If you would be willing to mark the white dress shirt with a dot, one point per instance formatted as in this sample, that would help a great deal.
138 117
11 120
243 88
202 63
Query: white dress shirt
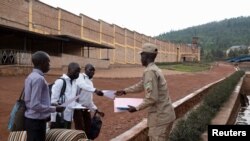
86 90
70 92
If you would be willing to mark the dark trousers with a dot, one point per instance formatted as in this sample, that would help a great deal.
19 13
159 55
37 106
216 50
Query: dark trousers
67 124
60 122
64 125
82 121
36 129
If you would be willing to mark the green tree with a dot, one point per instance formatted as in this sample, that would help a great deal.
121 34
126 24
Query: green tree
218 36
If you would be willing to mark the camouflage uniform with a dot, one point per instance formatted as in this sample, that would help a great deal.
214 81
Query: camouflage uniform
161 112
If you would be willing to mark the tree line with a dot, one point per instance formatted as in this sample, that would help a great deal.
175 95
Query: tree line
214 38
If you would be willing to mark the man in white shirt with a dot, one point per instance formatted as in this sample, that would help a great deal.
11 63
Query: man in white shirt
82 118
70 92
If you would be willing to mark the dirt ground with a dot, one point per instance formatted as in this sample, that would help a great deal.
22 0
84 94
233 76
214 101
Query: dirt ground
179 84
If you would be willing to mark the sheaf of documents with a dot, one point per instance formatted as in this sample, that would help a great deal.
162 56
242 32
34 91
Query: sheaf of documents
121 104
78 106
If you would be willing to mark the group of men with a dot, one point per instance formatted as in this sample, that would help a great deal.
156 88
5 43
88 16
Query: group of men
42 108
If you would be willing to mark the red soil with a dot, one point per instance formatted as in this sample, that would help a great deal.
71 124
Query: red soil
114 124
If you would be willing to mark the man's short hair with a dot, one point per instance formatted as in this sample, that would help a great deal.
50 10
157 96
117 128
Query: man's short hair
87 66
39 57
73 65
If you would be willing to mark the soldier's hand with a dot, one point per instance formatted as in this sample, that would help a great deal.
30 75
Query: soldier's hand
131 109
60 109
98 92
120 92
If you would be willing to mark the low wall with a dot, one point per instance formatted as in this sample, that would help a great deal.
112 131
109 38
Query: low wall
58 65
229 110
182 106
244 66
65 59
10 70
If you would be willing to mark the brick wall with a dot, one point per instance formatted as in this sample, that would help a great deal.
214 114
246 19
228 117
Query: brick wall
129 38
120 54
90 29
44 18
107 33
14 13
38 17
70 24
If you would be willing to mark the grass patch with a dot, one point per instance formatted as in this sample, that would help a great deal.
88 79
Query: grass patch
191 127
185 67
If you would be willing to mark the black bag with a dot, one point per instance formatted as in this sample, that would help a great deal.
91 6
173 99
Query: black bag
60 122
96 125
16 120
62 90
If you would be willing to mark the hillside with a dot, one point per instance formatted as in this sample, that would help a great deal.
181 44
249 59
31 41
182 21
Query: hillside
215 35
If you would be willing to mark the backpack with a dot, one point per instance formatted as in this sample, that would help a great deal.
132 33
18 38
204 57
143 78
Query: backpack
60 123
62 90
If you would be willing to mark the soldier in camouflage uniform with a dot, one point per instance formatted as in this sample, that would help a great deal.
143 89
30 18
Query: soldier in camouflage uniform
161 113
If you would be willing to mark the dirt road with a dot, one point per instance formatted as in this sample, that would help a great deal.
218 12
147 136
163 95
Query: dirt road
179 84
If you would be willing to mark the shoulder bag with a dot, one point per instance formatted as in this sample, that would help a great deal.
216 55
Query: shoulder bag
16 120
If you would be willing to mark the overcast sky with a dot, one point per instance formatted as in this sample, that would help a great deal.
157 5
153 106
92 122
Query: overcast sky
153 17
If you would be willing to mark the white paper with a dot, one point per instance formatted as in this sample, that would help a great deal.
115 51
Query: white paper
121 104
70 101
78 106
109 93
